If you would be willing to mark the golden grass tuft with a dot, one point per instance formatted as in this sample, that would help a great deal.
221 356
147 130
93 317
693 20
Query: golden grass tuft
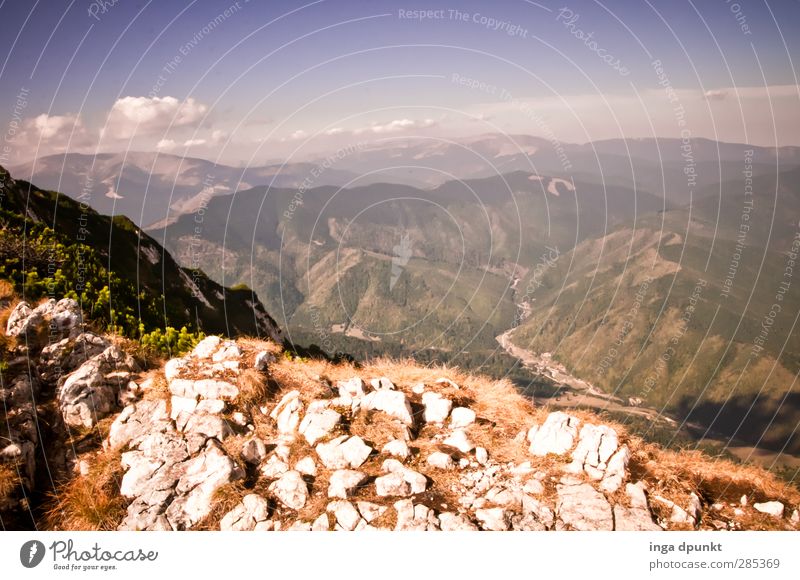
92 501
9 481
226 498
253 388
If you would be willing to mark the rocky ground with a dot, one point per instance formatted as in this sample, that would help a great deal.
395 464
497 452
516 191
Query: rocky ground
238 436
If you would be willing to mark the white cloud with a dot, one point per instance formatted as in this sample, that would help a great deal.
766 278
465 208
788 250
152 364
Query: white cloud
131 116
166 145
194 142
715 95
396 126
55 126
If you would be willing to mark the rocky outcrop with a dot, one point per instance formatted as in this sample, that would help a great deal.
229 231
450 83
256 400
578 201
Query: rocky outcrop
348 455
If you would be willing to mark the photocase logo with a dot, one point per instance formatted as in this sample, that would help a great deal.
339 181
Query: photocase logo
402 254
31 553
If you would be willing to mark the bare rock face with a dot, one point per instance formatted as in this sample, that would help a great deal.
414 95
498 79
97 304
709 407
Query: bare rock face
68 354
637 517
394 403
600 456
290 489
582 507
411 517
251 514
62 317
287 413
91 392
556 435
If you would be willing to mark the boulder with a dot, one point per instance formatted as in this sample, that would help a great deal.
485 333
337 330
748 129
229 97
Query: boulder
462 417
493 519
556 435
206 347
370 511
437 408
393 403
596 445
252 511
440 460
274 467
321 524
90 393
138 421
382 383
227 351
397 448
287 413
393 484
458 439
353 388
582 507
615 472
412 517
417 483
637 517
452 522
343 452
347 516
306 466
343 482
773 508
204 389
318 425
254 451
202 476
291 490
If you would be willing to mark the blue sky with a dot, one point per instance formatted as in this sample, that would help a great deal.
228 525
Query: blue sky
256 80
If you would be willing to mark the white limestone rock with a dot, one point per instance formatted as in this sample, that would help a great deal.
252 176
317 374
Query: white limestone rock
462 417
287 413
318 425
344 481
440 460
773 508
397 448
291 490
252 511
393 403
582 507
493 519
344 452
437 408
452 522
459 440
556 435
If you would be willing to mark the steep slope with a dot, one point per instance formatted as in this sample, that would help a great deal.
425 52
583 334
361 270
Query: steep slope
692 311
152 187
234 436
410 268
52 245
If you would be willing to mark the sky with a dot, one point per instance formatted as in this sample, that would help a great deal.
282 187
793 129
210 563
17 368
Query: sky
246 82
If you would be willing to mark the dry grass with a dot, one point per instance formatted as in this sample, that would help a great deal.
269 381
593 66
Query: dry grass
253 389
90 502
159 389
6 291
9 481
225 499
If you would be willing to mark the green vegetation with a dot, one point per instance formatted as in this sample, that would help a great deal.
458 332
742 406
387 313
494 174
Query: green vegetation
51 246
